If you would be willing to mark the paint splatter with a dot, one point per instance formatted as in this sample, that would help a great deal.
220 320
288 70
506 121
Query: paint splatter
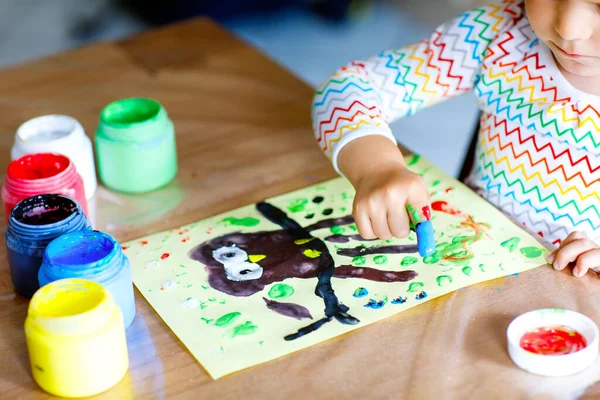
360 292
353 227
168 284
311 253
409 260
281 291
318 199
181 274
288 309
297 205
190 302
482 267
165 256
531 252
359 260
144 242
467 270
125 248
376 304
443 280
309 216
337 230
208 321
399 300
185 239
254 258
421 296
227 319
415 286
246 328
327 212
414 160
511 244
380 260
300 242
241 221
152 264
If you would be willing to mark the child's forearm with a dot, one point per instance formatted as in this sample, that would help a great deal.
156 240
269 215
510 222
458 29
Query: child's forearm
368 154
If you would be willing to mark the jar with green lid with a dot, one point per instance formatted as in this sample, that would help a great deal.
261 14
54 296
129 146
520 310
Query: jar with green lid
135 146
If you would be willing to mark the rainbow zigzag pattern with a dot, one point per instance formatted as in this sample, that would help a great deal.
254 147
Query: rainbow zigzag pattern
539 144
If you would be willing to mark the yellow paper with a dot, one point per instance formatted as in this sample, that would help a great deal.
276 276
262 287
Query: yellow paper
230 325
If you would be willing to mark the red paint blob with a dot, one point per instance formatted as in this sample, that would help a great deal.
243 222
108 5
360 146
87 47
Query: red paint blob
449 190
426 212
125 248
553 340
165 256
144 242
444 207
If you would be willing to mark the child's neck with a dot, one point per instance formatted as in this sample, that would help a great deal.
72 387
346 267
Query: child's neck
587 84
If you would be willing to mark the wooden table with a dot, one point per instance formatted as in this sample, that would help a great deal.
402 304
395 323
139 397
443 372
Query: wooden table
244 134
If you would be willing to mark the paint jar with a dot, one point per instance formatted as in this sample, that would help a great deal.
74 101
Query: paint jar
58 134
41 173
33 224
95 256
135 146
75 338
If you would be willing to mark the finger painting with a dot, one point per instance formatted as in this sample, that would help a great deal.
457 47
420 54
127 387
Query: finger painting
269 279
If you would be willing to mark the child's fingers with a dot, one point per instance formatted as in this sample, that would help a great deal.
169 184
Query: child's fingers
363 224
586 261
570 252
379 222
398 221
571 238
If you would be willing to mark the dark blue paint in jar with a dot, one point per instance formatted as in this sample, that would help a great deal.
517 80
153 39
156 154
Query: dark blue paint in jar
95 256
33 223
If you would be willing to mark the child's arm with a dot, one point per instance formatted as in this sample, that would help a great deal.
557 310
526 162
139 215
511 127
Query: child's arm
578 249
352 110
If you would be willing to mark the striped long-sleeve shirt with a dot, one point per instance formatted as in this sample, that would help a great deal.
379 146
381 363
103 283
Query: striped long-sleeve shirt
537 157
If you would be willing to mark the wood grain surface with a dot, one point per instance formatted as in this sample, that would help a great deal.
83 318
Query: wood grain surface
244 134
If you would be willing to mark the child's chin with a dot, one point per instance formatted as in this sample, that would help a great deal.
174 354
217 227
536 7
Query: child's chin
579 69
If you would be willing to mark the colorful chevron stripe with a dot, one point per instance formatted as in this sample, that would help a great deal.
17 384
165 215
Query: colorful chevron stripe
538 154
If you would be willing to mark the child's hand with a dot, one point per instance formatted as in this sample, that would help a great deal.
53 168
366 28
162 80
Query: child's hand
382 199
579 249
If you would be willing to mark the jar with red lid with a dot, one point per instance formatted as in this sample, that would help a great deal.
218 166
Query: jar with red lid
41 173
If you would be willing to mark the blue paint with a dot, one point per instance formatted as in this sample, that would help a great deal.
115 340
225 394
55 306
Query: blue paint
375 305
421 296
360 292
399 300
33 223
425 238
91 255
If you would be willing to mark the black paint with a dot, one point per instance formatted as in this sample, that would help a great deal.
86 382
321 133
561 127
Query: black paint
364 251
327 211
44 210
318 199
309 216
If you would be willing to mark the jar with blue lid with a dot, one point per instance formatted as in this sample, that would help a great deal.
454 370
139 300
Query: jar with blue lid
95 256
33 223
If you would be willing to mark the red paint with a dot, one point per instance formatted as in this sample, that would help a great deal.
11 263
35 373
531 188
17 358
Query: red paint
165 256
426 212
553 340
185 239
41 173
125 248
449 190
144 242
184 231
444 207
541 234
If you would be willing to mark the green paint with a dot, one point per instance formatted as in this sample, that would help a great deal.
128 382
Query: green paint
227 319
182 274
380 260
482 267
422 174
500 265
203 305
443 280
222 301
343 209
467 270
415 286
359 260
297 205
261 342
149 290
281 291
511 244
531 252
354 228
435 183
212 299
182 266
208 321
203 287
246 328
415 159
188 286
248 221
337 230
409 260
